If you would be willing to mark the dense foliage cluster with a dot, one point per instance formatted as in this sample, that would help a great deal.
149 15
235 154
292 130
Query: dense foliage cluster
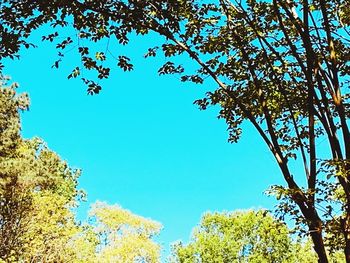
36 190
242 237
282 65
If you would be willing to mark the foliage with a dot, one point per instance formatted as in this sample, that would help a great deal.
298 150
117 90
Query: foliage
282 65
123 236
9 117
38 192
246 236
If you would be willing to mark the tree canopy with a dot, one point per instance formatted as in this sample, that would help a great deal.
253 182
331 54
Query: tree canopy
38 195
37 190
123 236
244 236
282 65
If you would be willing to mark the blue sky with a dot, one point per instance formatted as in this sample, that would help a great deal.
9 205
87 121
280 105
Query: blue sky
142 143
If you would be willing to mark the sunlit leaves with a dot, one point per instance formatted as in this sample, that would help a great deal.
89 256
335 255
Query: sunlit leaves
128 236
100 56
75 73
280 65
244 236
38 191
171 50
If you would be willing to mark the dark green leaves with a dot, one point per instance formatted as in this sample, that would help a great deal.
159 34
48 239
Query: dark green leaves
75 73
170 68
123 63
171 50
50 37
64 43
93 87
151 52
283 66
193 78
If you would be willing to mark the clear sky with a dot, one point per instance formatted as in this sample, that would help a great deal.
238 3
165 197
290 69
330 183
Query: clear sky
141 143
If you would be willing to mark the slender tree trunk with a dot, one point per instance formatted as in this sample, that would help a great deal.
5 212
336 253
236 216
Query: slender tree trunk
345 223
317 239
347 249
346 232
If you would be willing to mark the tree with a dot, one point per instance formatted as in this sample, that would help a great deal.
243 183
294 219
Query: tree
243 236
38 192
124 236
281 65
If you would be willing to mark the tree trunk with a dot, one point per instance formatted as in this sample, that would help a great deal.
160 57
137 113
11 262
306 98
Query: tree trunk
317 239
347 251
346 233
